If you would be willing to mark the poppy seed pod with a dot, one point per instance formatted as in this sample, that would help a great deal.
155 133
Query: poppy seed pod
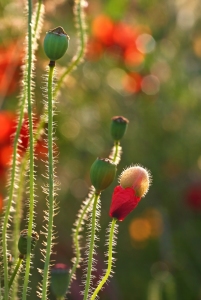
102 173
59 280
118 127
137 178
22 243
56 43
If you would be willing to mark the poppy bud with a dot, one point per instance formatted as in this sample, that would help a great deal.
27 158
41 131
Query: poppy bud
134 184
123 202
56 43
136 177
22 243
118 127
59 280
102 173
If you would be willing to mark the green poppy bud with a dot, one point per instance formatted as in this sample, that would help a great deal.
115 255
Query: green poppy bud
102 173
59 280
22 243
118 127
56 43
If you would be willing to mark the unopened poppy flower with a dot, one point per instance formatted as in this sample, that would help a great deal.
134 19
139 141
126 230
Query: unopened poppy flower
134 184
59 280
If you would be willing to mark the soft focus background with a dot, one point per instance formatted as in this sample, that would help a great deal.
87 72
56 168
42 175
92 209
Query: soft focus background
143 62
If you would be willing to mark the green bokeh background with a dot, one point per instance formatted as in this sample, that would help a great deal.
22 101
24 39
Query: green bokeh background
163 135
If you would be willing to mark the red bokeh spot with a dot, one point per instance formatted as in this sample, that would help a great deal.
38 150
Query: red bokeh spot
10 63
102 29
7 126
133 57
124 35
5 155
132 82
193 197
1 204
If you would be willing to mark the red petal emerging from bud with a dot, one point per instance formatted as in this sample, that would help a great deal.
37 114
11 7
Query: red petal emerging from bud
123 202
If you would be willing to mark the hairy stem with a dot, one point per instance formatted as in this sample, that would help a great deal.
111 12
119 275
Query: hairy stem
51 190
109 263
91 248
31 158
76 235
16 269
115 157
80 22
115 154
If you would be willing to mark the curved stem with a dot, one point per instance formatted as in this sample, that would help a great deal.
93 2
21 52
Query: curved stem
81 30
75 237
115 157
10 198
109 263
14 274
91 247
51 183
17 266
31 159
115 154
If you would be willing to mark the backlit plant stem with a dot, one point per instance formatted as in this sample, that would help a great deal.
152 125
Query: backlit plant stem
51 182
91 246
109 263
31 158
76 236
15 271
115 157
80 23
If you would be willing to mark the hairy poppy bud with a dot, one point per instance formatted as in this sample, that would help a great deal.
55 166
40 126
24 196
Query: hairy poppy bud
102 173
136 177
22 243
56 43
134 184
59 280
118 127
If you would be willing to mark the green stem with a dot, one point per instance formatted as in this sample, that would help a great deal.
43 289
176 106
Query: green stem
78 57
51 183
31 158
17 266
115 154
91 247
10 198
17 219
76 235
109 263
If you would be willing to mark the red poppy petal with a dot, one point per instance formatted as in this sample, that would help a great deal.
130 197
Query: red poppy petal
123 202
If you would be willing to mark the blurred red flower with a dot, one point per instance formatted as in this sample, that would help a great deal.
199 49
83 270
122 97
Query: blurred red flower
8 121
117 38
193 197
1 203
132 82
10 63
123 202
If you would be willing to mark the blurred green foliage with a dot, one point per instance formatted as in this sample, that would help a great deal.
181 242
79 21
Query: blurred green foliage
163 135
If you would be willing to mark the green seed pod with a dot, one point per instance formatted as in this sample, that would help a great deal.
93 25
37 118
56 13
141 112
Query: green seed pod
22 243
56 43
102 173
59 280
118 127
